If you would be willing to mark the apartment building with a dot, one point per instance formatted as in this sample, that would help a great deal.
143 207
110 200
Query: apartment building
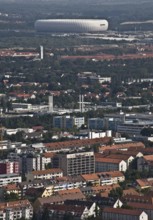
96 123
9 167
147 208
109 164
44 174
77 163
6 179
104 178
16 210
36 162
67 121
126 214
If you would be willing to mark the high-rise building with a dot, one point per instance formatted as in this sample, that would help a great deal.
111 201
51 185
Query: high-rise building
41 52
50 103
77 163
67 121
96 123
9 167
35 163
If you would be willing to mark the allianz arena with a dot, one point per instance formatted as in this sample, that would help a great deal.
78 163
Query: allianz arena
71 25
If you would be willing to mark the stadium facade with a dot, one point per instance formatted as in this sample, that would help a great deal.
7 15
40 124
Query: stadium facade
71 25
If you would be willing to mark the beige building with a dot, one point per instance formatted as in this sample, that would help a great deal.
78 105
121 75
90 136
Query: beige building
77 163
48 191
104 178
44 174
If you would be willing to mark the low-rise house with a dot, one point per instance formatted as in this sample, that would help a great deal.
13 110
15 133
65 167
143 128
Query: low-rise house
104 178
91 179
33 193
11 188
130 191
144 183
120 214
24 186
76 212
59 198
68 182
16 210
111 177
44 174
94 190
48 191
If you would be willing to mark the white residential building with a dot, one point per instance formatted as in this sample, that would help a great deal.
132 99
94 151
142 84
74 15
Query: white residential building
35 163
5 179
44 174
16 210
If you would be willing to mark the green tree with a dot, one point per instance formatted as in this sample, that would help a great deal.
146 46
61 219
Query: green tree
116 193
11 196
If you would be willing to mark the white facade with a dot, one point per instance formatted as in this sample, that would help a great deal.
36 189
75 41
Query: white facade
35 163
93 134
109 180
6 179
16 210
78 122
71 25
44 174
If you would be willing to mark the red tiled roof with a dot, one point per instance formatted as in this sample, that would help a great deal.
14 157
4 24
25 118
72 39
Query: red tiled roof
108 160
66 208
76 143
11 187
14 204
49 155
123 146
123 211
92 176
111 173
140 205
49 171
148 157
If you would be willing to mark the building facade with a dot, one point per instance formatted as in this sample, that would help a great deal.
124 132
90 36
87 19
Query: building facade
77 163
123 214
108 164
67 122
9 167
16 210
6 179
